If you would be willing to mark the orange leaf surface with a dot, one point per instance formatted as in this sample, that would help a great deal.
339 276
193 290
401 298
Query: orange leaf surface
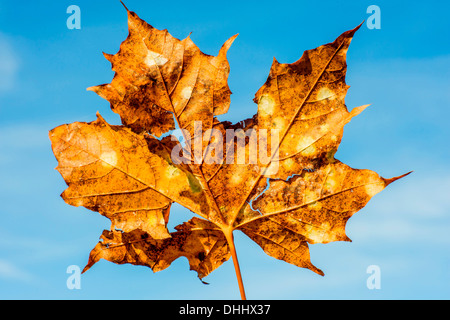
285 197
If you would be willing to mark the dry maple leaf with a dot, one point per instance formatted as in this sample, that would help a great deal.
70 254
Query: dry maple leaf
294 195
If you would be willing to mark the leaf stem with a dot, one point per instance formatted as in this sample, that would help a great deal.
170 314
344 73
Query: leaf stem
230 239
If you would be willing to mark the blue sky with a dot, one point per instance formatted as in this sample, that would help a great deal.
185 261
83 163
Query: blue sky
403 70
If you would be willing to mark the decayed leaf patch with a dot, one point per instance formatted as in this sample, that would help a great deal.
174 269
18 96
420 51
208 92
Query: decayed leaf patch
301 196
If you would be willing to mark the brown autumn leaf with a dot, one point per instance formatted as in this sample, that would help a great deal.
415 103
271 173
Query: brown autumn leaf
199 240
275 178
158 76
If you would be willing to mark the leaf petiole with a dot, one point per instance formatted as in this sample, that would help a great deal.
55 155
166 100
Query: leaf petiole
230 239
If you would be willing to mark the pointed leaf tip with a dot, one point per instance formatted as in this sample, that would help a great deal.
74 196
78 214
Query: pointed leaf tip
351 33
359 26
229 42
275 62
226 46
124 5
389 181
358 110
319 272
108 56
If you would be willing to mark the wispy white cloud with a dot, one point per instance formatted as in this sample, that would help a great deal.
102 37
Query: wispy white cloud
9 65
9 271
25 135
413 211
